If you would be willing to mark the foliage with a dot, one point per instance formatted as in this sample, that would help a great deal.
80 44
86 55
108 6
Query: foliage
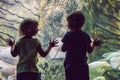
52 69
112 74
103 21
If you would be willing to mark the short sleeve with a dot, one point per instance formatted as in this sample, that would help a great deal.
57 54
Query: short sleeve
18 42
37 42
65 38
89 39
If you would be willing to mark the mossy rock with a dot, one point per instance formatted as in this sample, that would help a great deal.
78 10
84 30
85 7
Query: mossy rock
97 68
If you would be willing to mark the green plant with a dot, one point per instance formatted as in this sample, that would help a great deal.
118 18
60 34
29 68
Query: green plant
112 74
52 70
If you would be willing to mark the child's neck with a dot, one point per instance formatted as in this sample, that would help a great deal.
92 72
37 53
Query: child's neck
27 37
75 30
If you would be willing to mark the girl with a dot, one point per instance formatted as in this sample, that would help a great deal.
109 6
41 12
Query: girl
27 48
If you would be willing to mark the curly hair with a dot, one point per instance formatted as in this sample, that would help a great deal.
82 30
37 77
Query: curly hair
75 20
26 26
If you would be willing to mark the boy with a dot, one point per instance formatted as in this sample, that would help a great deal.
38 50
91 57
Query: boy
77 43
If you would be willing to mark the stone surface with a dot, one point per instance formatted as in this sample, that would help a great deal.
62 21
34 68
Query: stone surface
6 56
115 62
97 68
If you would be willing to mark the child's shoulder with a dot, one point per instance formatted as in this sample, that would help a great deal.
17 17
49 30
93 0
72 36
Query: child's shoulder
36 40
26 39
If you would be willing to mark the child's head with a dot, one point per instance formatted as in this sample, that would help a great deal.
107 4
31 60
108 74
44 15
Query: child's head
75 20
28 27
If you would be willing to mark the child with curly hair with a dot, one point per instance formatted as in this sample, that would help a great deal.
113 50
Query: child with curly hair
27 49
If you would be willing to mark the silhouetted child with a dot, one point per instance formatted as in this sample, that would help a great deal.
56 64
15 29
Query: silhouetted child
77 43
27 49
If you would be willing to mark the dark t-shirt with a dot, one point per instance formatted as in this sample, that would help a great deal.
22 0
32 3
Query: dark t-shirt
77 45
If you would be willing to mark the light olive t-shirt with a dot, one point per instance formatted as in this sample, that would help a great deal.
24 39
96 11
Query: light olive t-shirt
27 53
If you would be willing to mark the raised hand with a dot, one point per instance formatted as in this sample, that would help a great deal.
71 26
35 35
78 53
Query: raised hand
53 42
10 42
97 42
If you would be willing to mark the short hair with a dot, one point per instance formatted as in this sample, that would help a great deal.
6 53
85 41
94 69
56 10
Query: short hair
76 20
25 24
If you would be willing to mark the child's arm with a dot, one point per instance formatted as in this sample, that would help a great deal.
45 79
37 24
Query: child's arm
45 53
64 48
13 47
95 43
90 48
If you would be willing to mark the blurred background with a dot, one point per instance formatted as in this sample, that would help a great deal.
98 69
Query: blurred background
102 22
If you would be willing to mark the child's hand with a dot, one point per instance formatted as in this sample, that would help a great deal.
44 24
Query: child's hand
53 42
97 42
10 42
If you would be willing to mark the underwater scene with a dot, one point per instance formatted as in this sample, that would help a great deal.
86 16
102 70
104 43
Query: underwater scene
102 21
